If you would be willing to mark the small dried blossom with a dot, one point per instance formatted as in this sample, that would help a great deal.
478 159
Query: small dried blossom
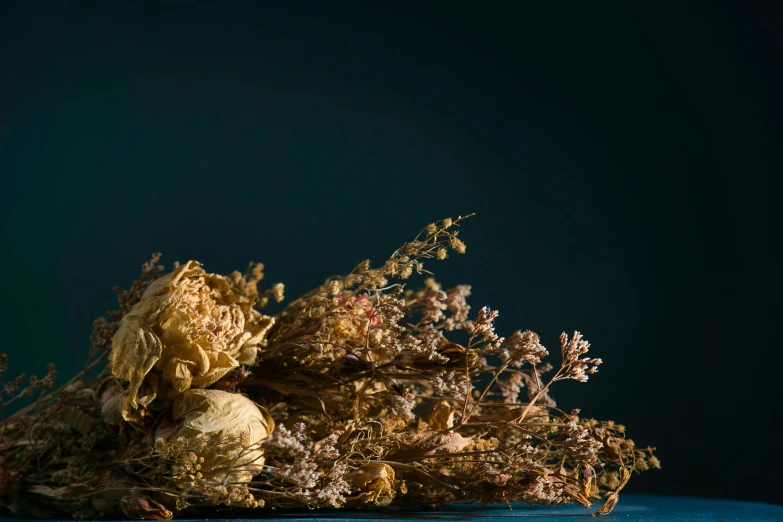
522 347
335 487
449 383
574 367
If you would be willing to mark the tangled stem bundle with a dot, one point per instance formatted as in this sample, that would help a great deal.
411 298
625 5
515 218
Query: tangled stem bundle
360 393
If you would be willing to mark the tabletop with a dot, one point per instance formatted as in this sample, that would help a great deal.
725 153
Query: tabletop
631 508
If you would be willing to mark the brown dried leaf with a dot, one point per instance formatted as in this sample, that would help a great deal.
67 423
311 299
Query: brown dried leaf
77 419
142 507
429 443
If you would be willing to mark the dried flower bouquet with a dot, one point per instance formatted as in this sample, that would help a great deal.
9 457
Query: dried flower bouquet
356 394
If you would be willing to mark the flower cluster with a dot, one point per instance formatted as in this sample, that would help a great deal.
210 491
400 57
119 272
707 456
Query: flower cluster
574 367
362 392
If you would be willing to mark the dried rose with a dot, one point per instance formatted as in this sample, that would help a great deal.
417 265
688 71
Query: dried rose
189 330
356 316
142 507
222 432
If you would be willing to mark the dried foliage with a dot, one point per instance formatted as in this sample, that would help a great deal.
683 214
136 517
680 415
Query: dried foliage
357 394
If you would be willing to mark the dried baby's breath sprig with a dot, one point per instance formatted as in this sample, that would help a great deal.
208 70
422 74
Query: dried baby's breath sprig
22 387
127 299
360 393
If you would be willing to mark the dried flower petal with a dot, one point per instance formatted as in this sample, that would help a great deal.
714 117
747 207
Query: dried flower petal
442 416
610 501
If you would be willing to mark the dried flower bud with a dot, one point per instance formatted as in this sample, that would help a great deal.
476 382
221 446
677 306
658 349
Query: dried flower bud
363 267
278 292
586 477
189 329
232 427
457 245
431 284
334 287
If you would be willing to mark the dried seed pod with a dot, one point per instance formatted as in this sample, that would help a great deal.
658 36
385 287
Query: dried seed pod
222 428
189 329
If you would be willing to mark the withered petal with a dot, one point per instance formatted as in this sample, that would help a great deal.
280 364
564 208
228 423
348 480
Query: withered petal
135 350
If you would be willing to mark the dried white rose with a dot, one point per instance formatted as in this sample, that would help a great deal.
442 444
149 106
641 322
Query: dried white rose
189 329
222 431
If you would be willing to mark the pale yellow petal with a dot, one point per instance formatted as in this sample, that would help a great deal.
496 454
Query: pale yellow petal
177 371
135 349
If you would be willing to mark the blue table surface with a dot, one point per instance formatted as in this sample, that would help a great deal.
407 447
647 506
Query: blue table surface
631 508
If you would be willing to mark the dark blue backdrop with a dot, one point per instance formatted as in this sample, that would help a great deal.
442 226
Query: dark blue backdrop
618 158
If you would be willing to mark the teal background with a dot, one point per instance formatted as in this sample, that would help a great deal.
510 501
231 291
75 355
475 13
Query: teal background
619 157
